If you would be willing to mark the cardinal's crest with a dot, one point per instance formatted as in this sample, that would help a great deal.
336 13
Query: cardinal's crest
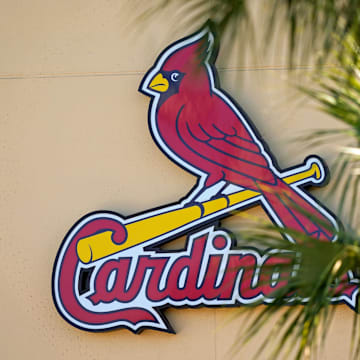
110 271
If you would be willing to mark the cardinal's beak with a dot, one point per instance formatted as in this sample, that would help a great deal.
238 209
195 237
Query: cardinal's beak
159 83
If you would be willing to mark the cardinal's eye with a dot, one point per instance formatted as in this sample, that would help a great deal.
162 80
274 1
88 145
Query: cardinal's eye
175 76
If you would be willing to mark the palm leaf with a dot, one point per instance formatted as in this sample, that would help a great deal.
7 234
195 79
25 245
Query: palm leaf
303 325
311 24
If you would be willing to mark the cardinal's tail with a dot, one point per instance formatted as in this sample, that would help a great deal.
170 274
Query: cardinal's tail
291 210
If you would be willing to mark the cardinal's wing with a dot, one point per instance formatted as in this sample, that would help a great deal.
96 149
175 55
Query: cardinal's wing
220 137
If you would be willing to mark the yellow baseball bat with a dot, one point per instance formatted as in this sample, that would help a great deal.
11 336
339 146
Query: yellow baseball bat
100 245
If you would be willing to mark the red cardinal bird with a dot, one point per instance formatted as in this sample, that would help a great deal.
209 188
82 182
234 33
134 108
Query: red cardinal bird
200 128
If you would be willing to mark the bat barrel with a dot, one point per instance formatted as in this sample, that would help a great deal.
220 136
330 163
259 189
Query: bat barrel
102 244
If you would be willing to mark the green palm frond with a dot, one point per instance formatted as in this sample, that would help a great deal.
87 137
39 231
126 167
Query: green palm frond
311 24
338 95
321 274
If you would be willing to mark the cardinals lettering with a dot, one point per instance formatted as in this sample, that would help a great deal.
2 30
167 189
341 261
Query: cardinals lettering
110 271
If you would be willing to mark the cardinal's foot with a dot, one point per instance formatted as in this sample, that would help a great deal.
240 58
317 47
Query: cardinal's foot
206 193
211 192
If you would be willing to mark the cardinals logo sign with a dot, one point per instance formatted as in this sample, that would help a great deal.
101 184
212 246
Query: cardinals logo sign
110 271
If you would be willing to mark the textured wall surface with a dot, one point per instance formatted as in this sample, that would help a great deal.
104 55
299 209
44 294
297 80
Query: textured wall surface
74 138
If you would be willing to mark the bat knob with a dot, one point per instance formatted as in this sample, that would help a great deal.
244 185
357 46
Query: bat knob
317 172
317 169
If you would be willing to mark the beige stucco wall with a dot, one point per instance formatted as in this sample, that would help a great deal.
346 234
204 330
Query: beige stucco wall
74 139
